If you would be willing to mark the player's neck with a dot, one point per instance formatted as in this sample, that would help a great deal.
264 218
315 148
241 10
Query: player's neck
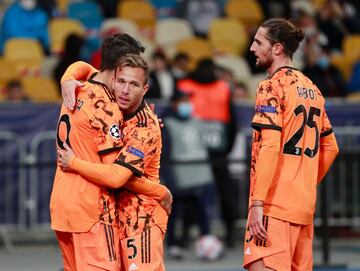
278 63
104 77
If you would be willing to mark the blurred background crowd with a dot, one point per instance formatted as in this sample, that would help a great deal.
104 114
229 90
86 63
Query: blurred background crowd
201 70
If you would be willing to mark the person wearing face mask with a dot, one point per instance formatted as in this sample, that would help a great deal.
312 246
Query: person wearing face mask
24 19
190 182
326 76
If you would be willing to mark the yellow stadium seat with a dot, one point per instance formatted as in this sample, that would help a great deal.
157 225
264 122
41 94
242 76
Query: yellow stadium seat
339 61
59 29
196 48
25 54
41 89
237 65
7 71
19 48
249 12
169 31
141 12
228 36
351 48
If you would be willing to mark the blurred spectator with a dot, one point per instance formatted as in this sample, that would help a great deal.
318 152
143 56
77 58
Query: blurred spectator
327 77
71 53
199 13
275 8
50 7
211 99
14 92
180 65
161 80
108 7
240 91
190 183
24 19
337 19
354 81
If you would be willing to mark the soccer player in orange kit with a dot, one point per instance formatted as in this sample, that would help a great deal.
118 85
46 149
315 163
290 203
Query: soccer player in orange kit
293 148
85 215
142 220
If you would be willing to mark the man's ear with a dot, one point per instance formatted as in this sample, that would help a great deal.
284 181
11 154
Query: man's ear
146 88
278 48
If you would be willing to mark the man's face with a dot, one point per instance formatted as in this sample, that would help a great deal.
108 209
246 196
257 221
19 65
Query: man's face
129 88
262 49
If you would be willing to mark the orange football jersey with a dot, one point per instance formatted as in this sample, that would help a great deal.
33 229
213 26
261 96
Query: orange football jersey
91 130
141 154
289 102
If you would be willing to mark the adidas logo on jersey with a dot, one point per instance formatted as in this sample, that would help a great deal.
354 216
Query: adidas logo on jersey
133 266
248 251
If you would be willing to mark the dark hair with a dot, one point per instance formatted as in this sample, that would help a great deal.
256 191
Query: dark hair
205 72
116 46
134 61
280 30
15 83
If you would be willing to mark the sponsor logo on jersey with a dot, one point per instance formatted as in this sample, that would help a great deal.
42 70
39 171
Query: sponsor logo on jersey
135 152
248 251
265 109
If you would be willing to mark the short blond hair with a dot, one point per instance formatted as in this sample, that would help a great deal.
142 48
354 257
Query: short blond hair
134 61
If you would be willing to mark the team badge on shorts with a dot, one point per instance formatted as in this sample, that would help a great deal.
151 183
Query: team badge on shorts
115 131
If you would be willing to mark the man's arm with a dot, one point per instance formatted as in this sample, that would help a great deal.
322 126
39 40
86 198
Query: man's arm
110 175
328 152
265 171
70 81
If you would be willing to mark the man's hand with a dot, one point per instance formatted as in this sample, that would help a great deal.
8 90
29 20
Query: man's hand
68 92
65 157
166 203
255 223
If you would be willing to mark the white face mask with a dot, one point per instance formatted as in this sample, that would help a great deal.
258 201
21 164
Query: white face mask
27 4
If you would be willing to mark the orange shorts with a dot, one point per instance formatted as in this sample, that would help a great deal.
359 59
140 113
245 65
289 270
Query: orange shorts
143 251
288 246
97 249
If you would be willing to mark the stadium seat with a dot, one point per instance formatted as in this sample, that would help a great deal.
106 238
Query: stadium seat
351 48
59 29
196 48
121 25
26 55
88 13
237 65
249 12
141 12
228 36
168 32
41 89
7 72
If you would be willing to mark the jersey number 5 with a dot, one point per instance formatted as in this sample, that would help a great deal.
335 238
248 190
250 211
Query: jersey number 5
290 145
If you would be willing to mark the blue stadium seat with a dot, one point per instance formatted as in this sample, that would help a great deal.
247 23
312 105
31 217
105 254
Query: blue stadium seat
88 13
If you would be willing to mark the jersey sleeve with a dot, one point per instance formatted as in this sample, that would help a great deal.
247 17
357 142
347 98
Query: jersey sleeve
79 70
138 147
268 109
326 128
